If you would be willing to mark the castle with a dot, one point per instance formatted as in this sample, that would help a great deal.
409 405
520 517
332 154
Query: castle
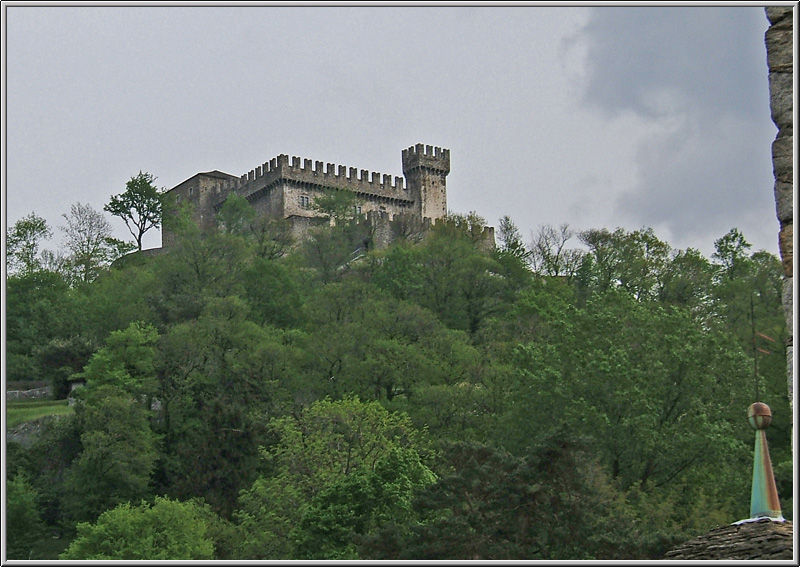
283 190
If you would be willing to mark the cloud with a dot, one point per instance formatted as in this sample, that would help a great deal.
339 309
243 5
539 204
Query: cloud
695 58
693 75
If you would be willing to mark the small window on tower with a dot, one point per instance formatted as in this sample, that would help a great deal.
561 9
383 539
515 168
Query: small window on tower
177 198
191 190
305 202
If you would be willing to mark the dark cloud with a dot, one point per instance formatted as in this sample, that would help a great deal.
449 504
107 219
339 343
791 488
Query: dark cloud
698 78
700 57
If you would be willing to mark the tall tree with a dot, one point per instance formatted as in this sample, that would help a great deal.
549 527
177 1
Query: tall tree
140 206
23 241
730 254
217 380
549 254
512 255
118 455
89 241
632 261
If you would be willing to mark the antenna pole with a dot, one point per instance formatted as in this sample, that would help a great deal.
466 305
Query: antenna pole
753 332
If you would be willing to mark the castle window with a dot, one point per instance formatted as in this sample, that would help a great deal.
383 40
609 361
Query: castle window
305 202
177 198
357 209
191 190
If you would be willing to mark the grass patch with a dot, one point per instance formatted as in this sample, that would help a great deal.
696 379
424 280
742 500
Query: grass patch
34 403
20 412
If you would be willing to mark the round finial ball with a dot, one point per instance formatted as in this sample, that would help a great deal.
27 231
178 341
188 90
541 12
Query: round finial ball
759 415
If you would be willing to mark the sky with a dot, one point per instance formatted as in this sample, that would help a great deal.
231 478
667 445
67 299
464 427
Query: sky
633 117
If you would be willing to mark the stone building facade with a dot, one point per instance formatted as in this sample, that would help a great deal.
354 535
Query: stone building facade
285 189
780 63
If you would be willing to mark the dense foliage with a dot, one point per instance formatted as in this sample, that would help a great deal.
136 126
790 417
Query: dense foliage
250 397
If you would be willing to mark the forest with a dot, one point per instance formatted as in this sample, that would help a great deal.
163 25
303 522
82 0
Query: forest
248 395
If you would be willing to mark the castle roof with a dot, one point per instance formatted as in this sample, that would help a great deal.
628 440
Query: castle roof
216 174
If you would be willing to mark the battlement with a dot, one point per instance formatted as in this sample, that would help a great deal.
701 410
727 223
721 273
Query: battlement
428 157
316 173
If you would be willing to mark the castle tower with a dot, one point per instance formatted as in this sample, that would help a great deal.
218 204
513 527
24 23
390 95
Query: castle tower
425 169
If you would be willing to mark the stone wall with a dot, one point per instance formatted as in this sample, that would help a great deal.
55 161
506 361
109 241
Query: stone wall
780 60
36 393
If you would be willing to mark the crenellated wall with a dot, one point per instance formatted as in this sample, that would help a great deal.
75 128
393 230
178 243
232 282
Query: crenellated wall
780 63
283 187
316 173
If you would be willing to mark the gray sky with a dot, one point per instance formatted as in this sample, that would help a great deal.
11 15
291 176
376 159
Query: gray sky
592 116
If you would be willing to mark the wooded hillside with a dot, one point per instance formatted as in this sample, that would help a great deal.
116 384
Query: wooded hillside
580 396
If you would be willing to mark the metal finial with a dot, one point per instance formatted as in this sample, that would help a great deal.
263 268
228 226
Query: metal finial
764 501
759 415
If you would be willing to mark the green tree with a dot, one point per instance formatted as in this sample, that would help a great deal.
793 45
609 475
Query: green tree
272 293
127 361
164 530
203 266
333 438
329 250
23 241
652 388
687 281
23 519
633 261
217 386
38 305
360 504
452 273
236 215
271 238
124 295
339 206
325 443
491 505
731 254
49 457
139 206
512 255
118 453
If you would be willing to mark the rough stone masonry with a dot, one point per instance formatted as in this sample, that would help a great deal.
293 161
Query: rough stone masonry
780 60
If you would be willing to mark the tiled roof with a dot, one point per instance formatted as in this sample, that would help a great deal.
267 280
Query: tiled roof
760 539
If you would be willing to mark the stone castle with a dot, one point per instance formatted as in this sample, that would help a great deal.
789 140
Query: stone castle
284 189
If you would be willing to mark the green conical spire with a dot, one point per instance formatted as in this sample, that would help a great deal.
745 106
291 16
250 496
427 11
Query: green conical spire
764 501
